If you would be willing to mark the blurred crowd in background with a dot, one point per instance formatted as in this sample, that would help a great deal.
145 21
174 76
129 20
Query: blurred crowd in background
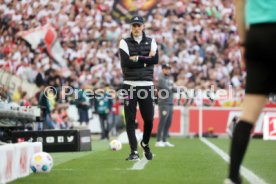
197 38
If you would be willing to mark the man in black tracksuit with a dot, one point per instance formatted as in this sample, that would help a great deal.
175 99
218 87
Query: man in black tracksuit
138 55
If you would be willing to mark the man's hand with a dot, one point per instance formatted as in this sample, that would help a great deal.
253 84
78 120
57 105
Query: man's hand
152 53
133 58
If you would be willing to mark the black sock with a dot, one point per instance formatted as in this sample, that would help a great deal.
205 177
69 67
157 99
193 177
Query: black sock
239 144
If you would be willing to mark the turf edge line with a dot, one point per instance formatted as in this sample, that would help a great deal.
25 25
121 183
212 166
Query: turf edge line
246 173
140 165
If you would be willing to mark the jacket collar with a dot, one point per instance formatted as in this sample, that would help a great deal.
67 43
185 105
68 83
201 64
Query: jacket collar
143 37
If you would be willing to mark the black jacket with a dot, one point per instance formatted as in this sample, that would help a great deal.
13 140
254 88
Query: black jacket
143 69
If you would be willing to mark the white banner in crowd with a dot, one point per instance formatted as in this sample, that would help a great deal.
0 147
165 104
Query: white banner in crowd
48 35
15 160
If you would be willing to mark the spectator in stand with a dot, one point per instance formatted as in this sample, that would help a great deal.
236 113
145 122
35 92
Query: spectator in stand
58 119
24 100
17 95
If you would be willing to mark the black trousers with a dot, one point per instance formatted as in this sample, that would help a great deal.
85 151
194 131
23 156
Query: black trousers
143 95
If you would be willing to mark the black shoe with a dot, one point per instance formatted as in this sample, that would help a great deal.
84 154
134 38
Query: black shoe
146 149
133 156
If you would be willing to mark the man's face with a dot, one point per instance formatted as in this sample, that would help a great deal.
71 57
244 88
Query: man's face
166 71
137 29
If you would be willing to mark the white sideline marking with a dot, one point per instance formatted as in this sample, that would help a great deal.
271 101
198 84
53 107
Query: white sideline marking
140 165
246 173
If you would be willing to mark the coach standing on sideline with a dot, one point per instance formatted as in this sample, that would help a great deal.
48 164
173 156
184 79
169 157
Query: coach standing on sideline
165 85
138 54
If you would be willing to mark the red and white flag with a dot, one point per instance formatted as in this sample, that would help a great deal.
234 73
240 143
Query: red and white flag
48 35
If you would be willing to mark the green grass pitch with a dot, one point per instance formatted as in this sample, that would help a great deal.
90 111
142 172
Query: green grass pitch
190 162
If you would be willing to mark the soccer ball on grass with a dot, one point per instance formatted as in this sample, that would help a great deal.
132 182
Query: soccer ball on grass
41 162
115 145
